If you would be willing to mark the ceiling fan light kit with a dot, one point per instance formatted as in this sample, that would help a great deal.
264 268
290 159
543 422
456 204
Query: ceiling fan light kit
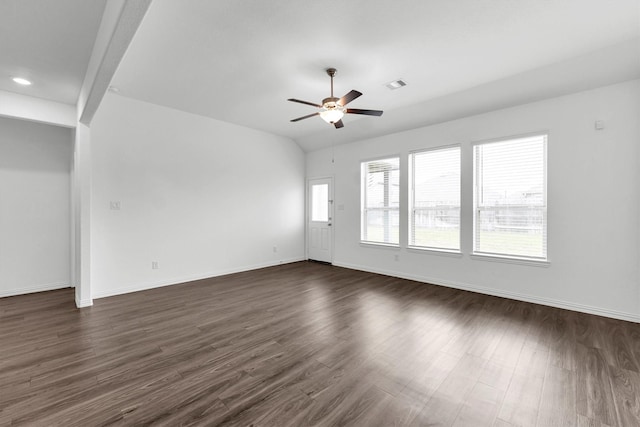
333 109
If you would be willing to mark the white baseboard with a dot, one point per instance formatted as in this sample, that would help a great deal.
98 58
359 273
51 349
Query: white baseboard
630 317
83 303
136 287
33 288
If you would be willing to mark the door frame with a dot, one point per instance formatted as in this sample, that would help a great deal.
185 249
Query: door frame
307 215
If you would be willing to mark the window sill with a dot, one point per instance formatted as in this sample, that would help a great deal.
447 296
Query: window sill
379 245
434 251
510 260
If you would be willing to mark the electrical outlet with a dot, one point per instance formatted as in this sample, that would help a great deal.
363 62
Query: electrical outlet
115 206
275 249
155 265
396 257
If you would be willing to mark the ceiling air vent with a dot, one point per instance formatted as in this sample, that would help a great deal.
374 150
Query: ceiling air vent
395 84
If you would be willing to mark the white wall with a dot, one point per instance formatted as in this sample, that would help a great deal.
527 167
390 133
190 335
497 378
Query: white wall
593 203
35 164
199 196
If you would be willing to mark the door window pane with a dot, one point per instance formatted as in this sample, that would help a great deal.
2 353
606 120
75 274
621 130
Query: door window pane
320 202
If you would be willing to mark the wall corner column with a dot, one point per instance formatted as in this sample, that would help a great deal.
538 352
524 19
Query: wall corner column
81 217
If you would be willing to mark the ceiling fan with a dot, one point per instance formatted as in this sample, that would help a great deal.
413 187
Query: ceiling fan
333 109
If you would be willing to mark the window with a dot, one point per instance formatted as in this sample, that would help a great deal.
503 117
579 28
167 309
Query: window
381 201
320 202
434 199
511 198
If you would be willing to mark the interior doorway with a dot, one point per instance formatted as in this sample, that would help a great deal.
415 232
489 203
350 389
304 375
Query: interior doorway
35 206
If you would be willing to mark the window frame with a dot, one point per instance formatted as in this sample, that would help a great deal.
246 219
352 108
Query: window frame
363 201
531 260
411 200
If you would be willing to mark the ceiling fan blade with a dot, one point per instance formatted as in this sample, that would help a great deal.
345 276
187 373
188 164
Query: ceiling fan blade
339 124
365 112
349 97
305 117
304 102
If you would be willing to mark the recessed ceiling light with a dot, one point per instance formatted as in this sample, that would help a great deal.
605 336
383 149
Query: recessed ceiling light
395 84
21 81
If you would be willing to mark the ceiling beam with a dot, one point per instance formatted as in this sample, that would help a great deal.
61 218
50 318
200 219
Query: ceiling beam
18 106
120 22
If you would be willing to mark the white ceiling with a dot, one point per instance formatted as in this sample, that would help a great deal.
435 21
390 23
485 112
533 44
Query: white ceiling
239 61
48 43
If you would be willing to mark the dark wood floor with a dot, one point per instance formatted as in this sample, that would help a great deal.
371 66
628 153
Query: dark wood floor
310 344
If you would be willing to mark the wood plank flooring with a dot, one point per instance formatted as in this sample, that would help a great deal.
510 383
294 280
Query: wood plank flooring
310 344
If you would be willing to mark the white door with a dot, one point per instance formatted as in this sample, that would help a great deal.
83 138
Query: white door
319 224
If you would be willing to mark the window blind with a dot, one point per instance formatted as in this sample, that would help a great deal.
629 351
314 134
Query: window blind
435 199
381 201
510 198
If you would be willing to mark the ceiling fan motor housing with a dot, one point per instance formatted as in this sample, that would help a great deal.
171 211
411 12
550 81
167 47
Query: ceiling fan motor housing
330 102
